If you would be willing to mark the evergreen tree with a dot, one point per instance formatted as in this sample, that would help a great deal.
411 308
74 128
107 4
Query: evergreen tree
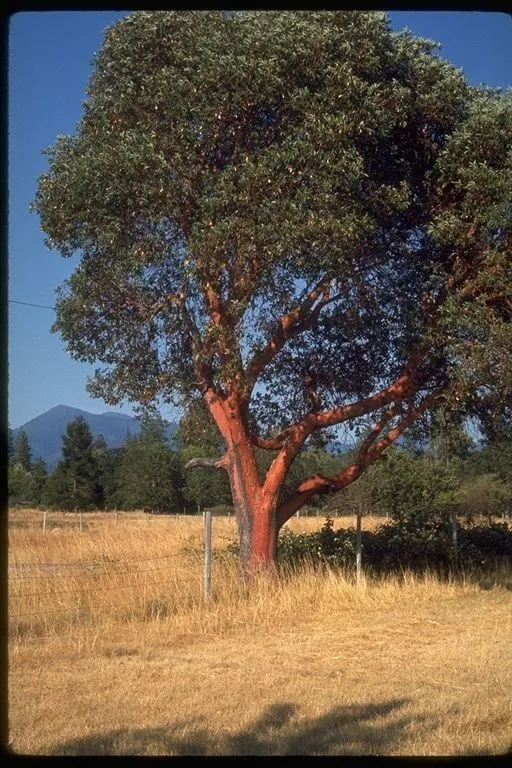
10 446
77 472
204 486
23 454
20 482
39 478
148 472
57 491
198 436
108 476
102 462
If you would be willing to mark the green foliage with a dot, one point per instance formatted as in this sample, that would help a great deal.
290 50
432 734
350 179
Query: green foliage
72 485
197 427
449 438
147 472
39 478
204 486
58 489
22 453
408 487
20 482
495 458
257 154
233 171
397 546
10 446
487 495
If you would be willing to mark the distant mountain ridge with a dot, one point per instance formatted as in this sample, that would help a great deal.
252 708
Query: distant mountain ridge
45 431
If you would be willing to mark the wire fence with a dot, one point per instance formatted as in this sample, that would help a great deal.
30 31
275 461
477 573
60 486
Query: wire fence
88 564
31 517
79 591
58 597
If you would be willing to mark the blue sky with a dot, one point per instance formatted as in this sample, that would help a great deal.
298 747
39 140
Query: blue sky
50 57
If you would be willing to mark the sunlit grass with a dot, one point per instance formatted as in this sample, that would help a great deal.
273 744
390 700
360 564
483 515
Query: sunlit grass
113 650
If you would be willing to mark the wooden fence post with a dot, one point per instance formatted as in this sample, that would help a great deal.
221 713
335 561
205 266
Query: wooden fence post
81 521
44 521
207 553
358 547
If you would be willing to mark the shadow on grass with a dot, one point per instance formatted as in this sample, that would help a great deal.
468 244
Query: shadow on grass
345 730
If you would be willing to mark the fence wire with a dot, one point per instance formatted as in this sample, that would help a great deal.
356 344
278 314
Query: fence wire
91 564
79 591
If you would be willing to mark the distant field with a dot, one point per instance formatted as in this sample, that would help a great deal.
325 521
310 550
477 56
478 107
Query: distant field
112 650
33 518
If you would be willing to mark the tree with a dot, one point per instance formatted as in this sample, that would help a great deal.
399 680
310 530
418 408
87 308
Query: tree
449 440
23 454
20 482
486 495
10 446
415 490
302 218
103 461
57 490
203 486
73 482
147 472
39 478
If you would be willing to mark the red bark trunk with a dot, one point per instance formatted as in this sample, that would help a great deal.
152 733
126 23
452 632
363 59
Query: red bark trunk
254 508
255 512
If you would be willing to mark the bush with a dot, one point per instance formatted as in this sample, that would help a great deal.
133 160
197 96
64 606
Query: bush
404 544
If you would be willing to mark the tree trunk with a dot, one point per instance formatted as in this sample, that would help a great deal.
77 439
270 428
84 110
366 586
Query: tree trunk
255 513
255 507
258 534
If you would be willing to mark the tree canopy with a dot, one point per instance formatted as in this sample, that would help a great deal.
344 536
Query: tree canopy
302 217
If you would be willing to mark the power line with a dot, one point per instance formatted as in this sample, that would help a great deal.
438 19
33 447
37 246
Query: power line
29 304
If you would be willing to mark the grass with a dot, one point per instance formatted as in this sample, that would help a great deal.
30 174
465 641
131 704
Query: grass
116 652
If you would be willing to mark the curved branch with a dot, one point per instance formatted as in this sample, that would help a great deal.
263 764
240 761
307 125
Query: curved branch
269 443
204 462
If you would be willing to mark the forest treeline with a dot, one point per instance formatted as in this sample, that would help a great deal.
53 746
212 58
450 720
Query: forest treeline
451 475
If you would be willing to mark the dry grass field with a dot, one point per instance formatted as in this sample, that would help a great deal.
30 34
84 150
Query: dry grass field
113 650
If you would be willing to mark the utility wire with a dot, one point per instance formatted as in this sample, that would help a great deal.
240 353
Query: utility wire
29 304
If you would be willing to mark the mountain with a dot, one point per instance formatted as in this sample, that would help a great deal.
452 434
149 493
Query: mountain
46 430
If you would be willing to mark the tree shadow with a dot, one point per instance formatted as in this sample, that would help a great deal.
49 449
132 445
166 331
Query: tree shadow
370 729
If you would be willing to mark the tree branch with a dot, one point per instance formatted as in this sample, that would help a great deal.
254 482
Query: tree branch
290 441
204 462
269 443
370 439
318 484
294 322
403 386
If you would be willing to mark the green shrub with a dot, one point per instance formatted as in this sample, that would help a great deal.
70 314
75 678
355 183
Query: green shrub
404 544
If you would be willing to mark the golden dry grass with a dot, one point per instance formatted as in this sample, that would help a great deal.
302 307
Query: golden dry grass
116 652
